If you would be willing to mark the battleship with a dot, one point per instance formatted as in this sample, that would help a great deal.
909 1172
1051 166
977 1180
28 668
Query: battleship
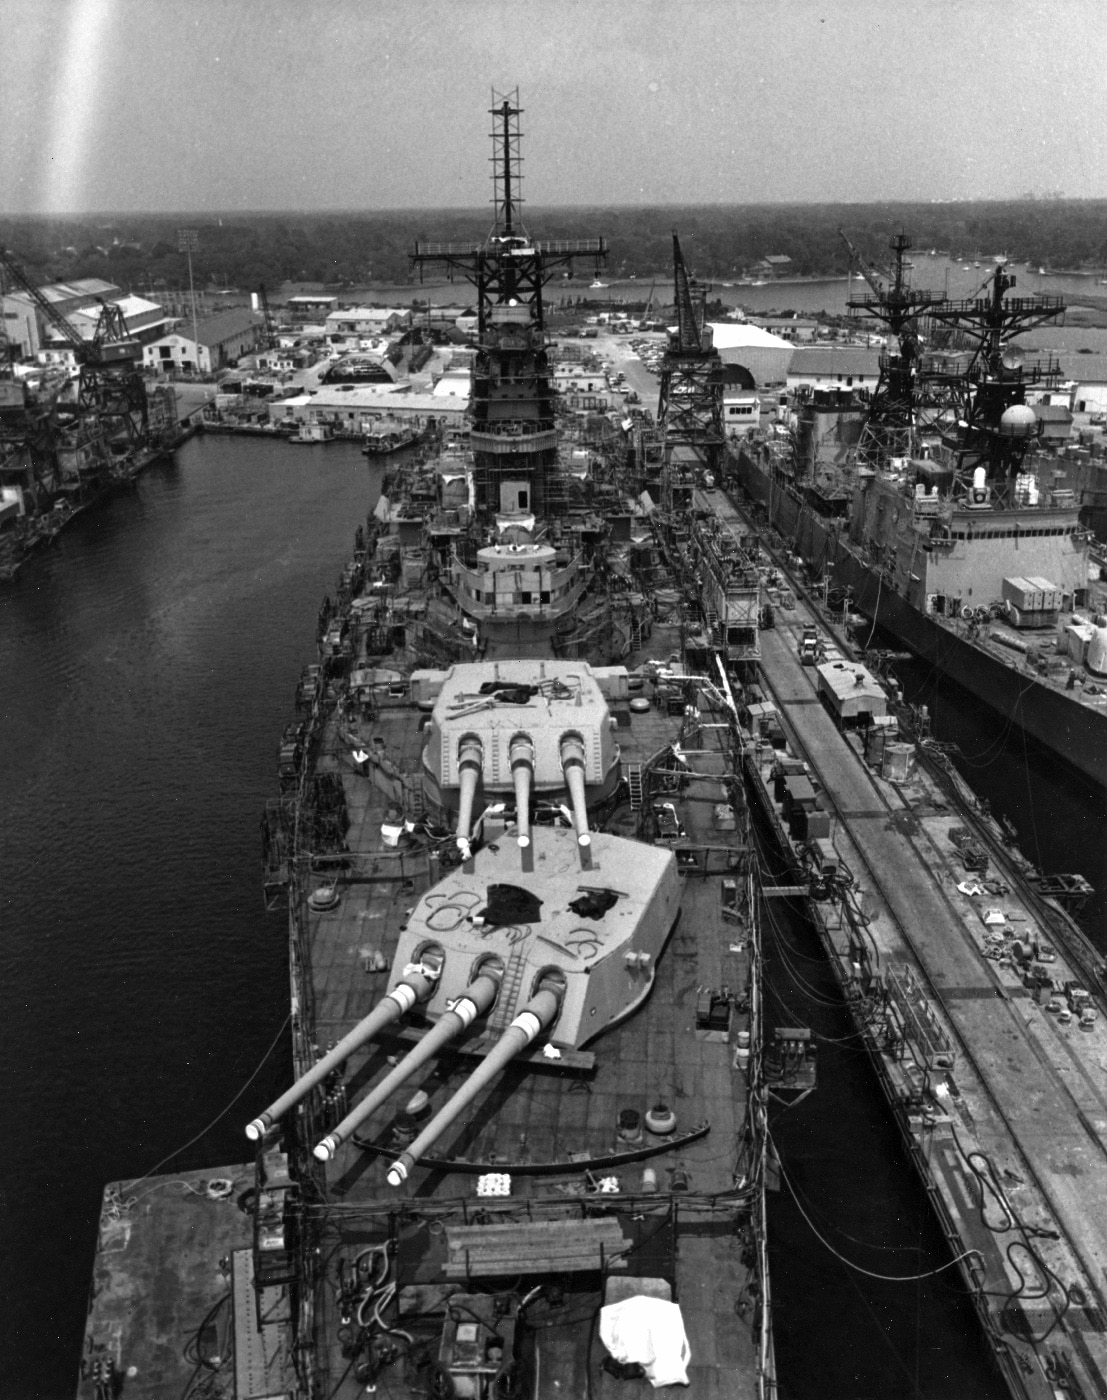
524 1152
934 512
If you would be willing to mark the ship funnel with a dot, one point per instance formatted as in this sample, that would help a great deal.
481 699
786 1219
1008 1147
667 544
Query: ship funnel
538 1015
521 756
477 999
470 765
417 985
572 765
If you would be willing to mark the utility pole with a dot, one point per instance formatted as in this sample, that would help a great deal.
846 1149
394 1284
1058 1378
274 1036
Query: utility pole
187 242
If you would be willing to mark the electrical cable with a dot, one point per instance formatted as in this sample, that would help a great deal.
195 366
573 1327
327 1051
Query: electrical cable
869 1273
219 1116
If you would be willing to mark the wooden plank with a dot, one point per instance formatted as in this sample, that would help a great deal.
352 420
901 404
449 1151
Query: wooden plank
530 1264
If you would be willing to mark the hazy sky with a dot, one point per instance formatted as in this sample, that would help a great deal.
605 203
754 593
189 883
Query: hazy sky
366 104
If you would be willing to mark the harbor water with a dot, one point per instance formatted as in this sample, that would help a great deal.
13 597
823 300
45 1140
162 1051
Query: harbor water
148 664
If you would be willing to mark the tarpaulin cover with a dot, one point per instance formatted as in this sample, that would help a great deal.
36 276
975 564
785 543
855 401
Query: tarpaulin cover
651 1332
511 904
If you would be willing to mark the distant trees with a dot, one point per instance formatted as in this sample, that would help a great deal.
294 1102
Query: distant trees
718 242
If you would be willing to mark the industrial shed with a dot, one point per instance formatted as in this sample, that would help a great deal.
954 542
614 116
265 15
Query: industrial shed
764 355
851 693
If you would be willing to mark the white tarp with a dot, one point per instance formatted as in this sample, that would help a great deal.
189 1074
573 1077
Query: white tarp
651 1332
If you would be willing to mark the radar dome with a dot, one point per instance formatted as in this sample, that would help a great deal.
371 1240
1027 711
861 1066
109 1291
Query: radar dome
1018 421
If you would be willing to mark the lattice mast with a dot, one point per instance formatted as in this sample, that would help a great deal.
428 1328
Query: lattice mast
995 427
897 403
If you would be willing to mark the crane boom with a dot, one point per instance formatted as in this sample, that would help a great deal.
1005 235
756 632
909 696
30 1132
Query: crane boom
688 329
73 338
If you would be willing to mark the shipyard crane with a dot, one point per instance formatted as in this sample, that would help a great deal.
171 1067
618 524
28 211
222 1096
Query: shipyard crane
690 404
271 338
644 323
111 395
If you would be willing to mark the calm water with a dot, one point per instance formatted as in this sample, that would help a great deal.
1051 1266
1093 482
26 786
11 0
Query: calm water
829 296
147 667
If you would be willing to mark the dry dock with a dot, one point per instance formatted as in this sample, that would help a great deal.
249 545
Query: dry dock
1000 1092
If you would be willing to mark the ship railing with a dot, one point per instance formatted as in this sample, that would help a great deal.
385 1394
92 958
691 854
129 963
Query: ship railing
1023 306
583 246
757 1119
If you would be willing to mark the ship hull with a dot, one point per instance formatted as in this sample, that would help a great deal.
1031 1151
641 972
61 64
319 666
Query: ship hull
1073 731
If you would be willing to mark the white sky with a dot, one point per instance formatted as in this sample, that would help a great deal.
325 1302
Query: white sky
204 105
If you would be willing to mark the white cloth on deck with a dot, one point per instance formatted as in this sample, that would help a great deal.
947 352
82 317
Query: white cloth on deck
651 1332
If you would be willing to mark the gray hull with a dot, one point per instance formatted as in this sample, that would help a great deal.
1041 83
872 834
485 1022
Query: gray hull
1074 731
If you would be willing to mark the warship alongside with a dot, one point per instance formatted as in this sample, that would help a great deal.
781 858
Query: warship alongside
934 507
525 1151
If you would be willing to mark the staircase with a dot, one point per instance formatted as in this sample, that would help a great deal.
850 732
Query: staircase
634 785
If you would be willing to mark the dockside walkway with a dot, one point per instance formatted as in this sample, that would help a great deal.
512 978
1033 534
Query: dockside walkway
1033 1096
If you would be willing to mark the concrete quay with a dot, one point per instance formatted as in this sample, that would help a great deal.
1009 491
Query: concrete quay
1007 1125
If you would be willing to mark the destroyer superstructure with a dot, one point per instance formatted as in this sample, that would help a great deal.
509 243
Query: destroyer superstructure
944 520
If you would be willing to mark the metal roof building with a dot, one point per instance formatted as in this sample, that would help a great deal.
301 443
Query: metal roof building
764 355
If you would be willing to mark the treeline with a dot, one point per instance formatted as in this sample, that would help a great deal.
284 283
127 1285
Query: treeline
141 252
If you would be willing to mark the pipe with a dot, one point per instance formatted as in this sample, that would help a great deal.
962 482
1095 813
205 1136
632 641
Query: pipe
416 986
470 765
478 997
572 765
538 1014
521 756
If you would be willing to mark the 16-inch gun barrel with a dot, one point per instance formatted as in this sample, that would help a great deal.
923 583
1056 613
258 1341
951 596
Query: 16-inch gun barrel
478 998
470 765
538 1014
572 765
415 987
521 756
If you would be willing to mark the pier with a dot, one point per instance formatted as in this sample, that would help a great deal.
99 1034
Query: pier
997 1087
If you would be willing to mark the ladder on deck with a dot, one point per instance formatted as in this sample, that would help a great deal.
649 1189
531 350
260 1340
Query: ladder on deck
506 1006
634 785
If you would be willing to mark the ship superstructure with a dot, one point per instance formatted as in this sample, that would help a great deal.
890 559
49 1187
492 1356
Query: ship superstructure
936 507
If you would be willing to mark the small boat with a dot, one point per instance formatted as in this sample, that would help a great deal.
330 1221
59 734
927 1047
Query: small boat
384 438
313 433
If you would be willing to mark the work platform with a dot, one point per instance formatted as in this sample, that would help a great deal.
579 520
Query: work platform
173 1309
1006 1119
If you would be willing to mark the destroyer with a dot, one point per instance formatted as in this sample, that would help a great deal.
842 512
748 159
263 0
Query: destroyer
942 519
